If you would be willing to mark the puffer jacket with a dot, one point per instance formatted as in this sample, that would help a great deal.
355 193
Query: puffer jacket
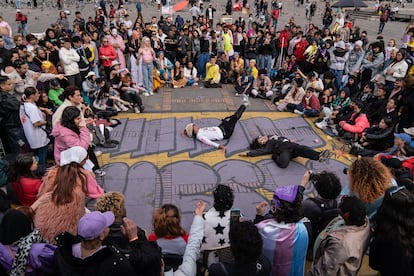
337 59
361 123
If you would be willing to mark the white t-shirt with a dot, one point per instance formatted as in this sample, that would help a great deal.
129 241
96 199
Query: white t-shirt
30 114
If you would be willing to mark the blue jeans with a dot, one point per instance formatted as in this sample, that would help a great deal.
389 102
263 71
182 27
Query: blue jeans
42 154
8 42
147 75
267 63
203 58
338 77
260 61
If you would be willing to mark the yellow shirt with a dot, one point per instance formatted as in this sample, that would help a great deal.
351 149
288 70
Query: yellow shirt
255 72
213 72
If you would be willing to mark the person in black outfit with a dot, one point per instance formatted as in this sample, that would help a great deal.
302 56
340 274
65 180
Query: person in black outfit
283 150
171 45
246 247
322 208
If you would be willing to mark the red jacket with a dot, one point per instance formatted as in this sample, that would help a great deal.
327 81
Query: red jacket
284 37
109 52
313 103
300 48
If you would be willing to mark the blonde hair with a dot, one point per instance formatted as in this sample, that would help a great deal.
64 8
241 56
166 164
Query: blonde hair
111 201
369 179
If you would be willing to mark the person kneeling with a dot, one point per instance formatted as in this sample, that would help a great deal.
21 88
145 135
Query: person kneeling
262 86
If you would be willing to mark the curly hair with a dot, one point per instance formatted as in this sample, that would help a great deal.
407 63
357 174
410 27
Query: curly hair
327 185
394 218
223 197
111 201
245 242
290 212
166 221
369 179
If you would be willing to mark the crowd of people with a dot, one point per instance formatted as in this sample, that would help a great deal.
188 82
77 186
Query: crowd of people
55 87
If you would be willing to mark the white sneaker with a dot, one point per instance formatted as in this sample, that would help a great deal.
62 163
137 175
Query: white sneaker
146 94
298 112
98 153
245 98
136 110
100 172
151 93
322 124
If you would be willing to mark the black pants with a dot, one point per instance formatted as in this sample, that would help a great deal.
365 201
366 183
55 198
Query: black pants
75 80
229 123
282 158
92 157
132 98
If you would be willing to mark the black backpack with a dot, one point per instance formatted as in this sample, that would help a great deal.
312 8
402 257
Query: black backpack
329 210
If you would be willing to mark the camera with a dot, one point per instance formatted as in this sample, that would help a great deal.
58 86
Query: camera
313 176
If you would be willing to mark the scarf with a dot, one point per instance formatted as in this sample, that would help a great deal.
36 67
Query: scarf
21 259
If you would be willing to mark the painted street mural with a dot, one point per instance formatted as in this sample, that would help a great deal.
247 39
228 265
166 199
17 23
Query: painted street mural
154 164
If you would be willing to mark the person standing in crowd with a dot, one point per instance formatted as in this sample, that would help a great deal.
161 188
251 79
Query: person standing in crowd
147 55
34 125
69 59
204 55
107 54
116 41
7 33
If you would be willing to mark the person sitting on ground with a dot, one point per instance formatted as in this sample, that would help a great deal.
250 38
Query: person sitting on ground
369 179
190 73
26 183
310 106
353 127
64 191
23 251
54 92
262 86
293 97
207 135
284 231
400 149
85 253
212 74
341 100
375 139
246 247
169 234
146 258
177 73
336 252
236 67
283 150
215 245
244 83
402 175
322 208
115 202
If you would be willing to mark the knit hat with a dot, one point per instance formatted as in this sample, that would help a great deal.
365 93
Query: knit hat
189 130
340 44
403 136
285 193
75 154
359 43
92 224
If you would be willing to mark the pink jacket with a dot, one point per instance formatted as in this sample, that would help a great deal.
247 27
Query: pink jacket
66 138
361 123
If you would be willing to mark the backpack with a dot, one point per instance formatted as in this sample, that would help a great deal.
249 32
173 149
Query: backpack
329 210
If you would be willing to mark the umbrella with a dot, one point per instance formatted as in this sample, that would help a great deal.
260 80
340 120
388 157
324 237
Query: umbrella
180 6
349 4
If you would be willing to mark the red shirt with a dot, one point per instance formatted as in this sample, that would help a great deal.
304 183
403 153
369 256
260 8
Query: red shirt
300 48
107 51
26 190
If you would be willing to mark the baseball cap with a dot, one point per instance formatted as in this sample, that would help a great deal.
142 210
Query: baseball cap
92 224
74 154
403 136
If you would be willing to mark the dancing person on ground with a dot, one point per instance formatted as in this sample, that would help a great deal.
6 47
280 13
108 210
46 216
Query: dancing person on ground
283 150
207 135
